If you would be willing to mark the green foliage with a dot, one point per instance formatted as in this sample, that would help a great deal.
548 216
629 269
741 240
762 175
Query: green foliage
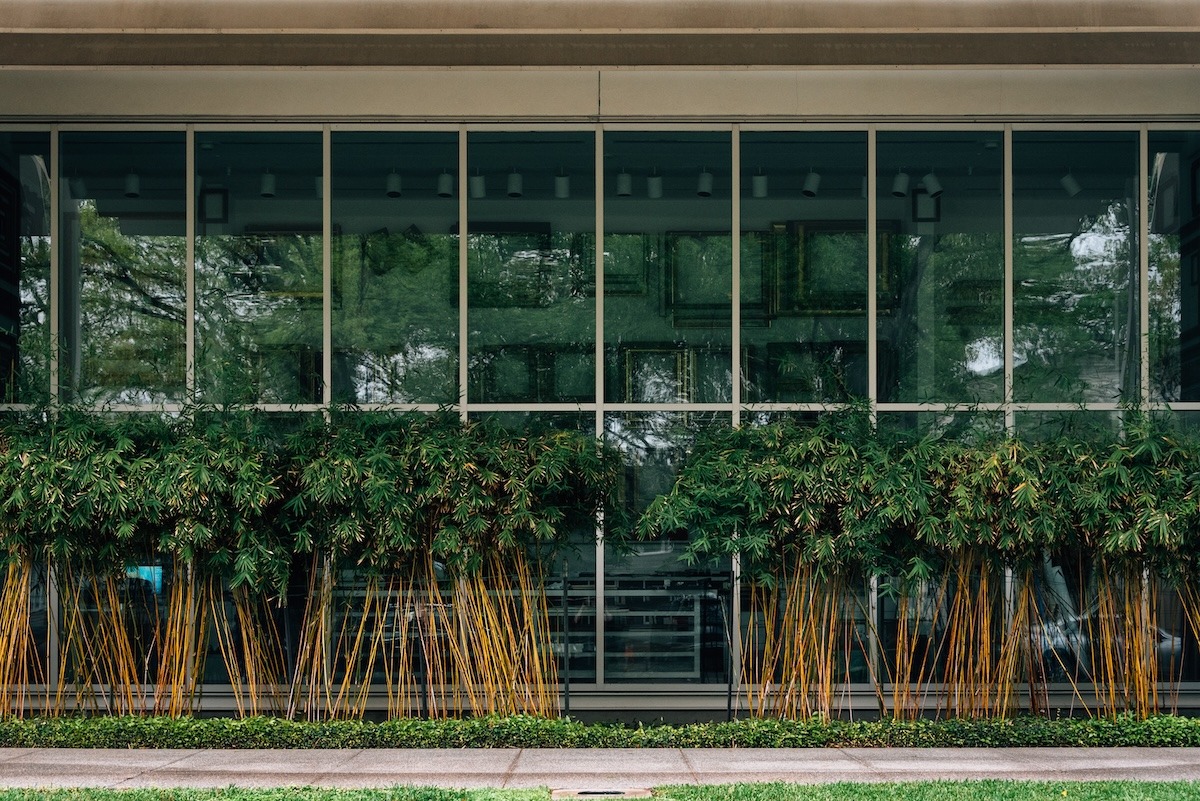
531 732
846 499
388 491
235 496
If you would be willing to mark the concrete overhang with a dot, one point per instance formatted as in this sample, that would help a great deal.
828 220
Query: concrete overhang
597 33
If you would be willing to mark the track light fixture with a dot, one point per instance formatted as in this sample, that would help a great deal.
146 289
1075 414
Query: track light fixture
133 184
758 184
933 187
1070 185
654 185
812 184
516 185
266 184
624 184
393 184
445 185
900 184
562 185
478 186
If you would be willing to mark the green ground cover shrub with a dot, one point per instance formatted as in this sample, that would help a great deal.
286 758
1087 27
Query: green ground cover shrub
532 732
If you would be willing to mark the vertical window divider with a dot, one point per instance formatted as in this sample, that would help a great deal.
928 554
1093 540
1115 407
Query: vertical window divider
55 260
326 269
872 367
735 573
598 169
189 275
1143 282
872 273
53 664
1009 231
463 233
736 282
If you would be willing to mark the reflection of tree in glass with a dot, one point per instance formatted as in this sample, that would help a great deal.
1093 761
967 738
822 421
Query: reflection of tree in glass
1076 301
31 380
258 308
944 332
395 318
129 344
1165 317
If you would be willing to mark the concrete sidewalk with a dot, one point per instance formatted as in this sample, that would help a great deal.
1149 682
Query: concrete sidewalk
580 770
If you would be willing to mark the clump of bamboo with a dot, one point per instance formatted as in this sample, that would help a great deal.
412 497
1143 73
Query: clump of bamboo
424 534
799 643
104 650
22 667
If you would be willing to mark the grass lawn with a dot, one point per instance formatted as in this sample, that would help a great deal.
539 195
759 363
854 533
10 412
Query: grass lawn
911 791
942 791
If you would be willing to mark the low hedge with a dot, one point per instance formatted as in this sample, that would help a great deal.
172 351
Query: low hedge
529 732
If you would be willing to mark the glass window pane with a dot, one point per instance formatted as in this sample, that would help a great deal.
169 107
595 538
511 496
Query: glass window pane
123 260
668 267
804 266
1174 246
258 267
941 267
24 267
1075 255
963 424
531 281
395 267
664 620
1078 424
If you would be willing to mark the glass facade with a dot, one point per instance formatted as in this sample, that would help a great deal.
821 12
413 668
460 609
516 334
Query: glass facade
639 285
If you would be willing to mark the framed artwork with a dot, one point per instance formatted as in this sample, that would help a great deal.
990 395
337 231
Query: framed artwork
815 371
822 267
535 374
214 206
511 264
657 374
925 207
628 260
699 282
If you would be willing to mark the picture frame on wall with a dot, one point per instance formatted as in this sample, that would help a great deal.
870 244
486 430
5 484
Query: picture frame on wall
823 268
214 206
926 208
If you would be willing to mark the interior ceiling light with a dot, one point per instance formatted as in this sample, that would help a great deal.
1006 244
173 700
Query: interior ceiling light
562 185
758 184
900 184
812 184
478 186
654 185
933 187
133 184
1070 185
624 184
445 185
704 184
78 188
393 184
516 186
266 184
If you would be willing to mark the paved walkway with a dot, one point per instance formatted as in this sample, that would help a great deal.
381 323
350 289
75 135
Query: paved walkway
581 770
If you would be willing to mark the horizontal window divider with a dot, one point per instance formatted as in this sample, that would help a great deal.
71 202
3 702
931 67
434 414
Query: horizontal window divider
525 407
668 407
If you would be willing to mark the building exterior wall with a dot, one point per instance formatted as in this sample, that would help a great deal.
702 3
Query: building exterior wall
723 78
